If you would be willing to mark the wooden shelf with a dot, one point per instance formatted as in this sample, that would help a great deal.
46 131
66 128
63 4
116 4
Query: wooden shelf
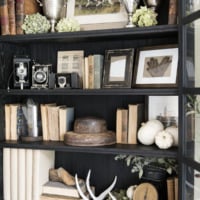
111 149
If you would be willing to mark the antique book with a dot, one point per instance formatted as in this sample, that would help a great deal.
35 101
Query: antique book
44 119
4 18
53 122
91 71
7 122
11 15
29 173
43 160
6 174
170 188
19 16
14 118
98 70
173 12
21 174
14 173
175 188
86 74
66 119
135 118
122 126
58 188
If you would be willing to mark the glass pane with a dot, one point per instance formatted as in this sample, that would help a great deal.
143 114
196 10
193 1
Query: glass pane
192 61
192 127
192 183
192 6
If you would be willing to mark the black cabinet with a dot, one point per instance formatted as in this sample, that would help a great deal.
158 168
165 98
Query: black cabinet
98 102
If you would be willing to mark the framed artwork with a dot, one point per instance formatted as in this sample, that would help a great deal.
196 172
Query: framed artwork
156 67
98 14
164 108
70 61
118 67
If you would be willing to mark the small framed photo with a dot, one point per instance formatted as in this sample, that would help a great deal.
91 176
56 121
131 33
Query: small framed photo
118 67
163 108
156 67
70 61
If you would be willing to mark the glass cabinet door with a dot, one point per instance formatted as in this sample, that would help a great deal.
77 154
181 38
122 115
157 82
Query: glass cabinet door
190 63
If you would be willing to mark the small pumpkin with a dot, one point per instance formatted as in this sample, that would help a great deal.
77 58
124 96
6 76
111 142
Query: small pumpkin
173 130
148 130
130 191
164 139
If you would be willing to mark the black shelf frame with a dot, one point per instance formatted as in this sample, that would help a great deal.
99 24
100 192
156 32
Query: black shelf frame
137 149
109 34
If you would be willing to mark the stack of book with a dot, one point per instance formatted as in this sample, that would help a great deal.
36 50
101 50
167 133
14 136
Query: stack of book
25 171
128 121
12 13
93 70
52 190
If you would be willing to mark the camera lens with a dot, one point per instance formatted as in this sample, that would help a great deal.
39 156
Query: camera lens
40 76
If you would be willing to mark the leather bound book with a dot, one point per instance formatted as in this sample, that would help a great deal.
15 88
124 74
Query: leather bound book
19 16
11 15
4 19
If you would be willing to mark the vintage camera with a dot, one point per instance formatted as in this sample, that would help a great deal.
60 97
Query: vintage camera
40 76
68 80
21 72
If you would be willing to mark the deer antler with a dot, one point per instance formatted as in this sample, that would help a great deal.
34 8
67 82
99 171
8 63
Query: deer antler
102 195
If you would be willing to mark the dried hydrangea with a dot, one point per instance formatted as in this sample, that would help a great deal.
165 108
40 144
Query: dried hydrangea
36 23
144 17
67 25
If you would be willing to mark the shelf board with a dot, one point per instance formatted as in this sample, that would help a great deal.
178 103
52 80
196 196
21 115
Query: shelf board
106 92
111 149
109 34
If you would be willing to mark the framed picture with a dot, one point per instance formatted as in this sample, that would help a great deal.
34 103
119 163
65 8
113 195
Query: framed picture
70 61
118 67
98 14
156 67
163 108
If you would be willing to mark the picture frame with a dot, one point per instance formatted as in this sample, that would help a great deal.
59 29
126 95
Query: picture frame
156 66
163 108
91 15
118 68
70 61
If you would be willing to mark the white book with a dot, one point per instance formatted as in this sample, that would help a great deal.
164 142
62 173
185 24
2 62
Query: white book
21 174
58 188
43 160
29 174
14 173
6 173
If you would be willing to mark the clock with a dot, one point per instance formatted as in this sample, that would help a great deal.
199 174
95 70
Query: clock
145 191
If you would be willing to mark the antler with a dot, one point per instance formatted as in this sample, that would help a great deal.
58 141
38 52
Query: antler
102 195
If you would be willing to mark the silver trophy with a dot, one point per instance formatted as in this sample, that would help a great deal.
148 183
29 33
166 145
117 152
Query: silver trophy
130 6
53 10
153 4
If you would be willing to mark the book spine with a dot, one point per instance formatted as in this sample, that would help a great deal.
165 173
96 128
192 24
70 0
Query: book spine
4 17
7 122
11 14
19 16
21 174
14 173
29 173
98 68
173 9
6 174
43 110
91 71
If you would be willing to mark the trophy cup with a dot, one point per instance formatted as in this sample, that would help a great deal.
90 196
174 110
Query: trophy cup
153 4
53 10
130 6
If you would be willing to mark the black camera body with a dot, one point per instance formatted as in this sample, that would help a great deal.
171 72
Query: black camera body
40 76
21 71
68 80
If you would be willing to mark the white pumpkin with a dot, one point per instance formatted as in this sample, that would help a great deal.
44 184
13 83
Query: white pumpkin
164 139
173 130
130 191
146 133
